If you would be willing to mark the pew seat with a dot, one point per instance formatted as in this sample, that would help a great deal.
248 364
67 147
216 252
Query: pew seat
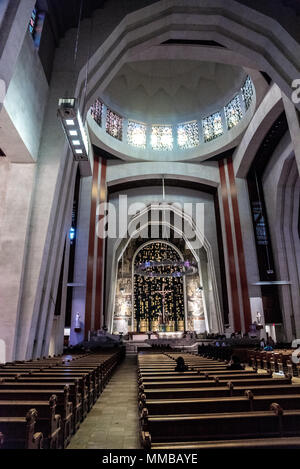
48 422
19 432
262 443
245 403
218 391
49 388
232 425
63 406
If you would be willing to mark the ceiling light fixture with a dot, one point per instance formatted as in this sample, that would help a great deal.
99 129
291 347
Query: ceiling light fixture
72 124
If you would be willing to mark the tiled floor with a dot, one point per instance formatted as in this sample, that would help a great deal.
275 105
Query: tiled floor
113 421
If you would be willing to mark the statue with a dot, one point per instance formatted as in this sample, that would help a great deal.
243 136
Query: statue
77 323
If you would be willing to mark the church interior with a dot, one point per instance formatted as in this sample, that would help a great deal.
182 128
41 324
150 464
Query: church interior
149 224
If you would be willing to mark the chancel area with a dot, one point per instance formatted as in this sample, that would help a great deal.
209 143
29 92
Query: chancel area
149 224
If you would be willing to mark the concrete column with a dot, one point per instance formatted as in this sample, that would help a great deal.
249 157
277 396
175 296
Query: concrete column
3 9
15 19
81 255
249 248
293 119
16 185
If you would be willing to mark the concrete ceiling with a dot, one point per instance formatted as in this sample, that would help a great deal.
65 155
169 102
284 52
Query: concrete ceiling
167 91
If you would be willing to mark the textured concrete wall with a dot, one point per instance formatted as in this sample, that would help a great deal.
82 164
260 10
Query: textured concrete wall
281 191
80 267
15 197
13 31
25 104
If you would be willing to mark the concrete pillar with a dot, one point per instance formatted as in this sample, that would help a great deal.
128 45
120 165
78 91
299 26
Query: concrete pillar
14 25
81 255
16 185
293 119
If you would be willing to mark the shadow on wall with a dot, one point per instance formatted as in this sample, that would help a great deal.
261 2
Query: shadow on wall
2 90
2 351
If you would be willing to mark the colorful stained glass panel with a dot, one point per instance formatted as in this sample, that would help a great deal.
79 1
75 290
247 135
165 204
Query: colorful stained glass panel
212 126
188 135
114 124
136 134
233 112
162 137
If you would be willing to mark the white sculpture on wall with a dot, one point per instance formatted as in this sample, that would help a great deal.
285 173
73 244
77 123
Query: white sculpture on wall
77 323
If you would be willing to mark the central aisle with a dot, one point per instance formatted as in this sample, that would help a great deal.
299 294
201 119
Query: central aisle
113 421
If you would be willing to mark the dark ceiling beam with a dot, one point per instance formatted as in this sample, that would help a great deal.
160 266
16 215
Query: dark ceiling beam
48 7
64 14
154 182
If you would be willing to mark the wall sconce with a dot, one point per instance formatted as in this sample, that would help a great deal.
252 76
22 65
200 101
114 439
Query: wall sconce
73 127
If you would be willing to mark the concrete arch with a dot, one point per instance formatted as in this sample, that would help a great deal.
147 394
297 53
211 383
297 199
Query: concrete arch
254 40
268 111
288 238
281 192
121 245
207 174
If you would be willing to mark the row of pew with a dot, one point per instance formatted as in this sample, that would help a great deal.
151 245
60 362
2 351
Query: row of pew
44 401
211 406
277 361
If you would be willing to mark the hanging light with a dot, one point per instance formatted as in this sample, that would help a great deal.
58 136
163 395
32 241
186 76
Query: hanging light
72 124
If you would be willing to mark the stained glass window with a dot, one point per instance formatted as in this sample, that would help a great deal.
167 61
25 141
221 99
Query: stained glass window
136 134
212 126
233 112
32 22
162 137
114 124
188 135
247 92
96 111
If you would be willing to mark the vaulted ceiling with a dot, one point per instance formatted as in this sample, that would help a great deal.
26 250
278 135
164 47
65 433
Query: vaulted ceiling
65 13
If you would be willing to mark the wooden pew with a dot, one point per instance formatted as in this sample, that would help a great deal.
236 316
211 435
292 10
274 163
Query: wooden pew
199 377
63 406
255 443
216 392
95 373
199 372
48 422
245 403
19 432
269 424
81 382
74 395
212 382
27 384
56 375
209 397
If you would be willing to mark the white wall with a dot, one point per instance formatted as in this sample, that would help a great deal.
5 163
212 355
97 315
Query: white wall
25 104
15 198
281 192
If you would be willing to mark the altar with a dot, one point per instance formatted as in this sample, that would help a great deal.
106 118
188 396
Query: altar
170 335
158 292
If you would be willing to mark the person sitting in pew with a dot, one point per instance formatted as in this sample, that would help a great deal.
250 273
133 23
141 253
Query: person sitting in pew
235 364
181 366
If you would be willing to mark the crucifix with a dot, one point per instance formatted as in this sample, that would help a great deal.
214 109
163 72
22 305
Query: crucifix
163 293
